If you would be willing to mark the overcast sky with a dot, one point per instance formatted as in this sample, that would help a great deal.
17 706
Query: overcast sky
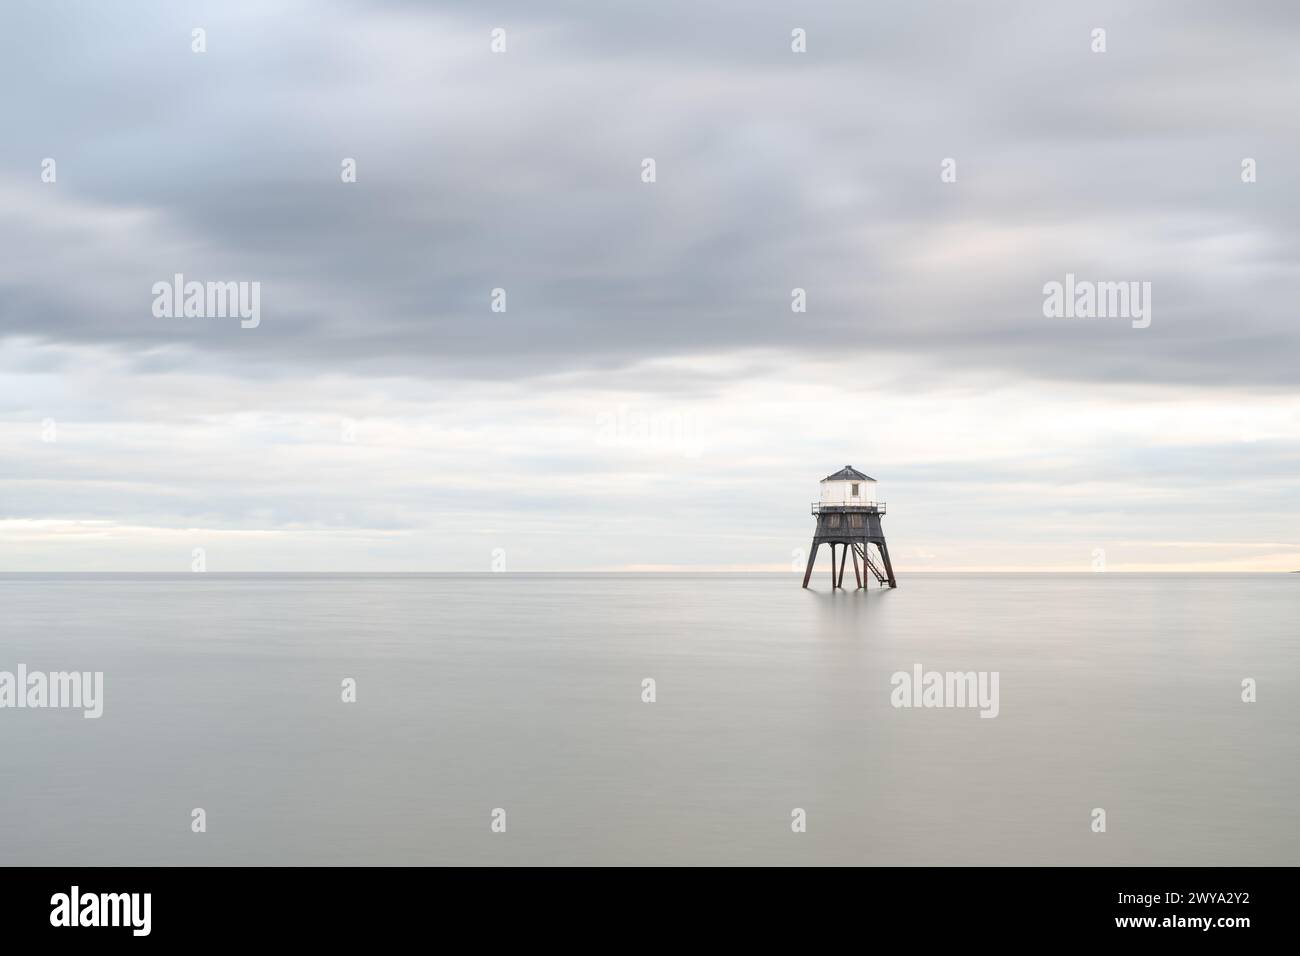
648 399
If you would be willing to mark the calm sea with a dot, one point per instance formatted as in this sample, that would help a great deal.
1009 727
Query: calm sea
524 693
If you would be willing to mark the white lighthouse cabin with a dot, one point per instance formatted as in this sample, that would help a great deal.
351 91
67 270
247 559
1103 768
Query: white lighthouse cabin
848 487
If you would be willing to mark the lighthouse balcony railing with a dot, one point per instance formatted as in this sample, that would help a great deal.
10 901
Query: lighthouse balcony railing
876 507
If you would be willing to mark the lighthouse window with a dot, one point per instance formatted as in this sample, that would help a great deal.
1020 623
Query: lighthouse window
855 489
855 521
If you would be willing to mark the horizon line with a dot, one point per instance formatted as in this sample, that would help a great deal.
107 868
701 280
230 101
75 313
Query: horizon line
639 573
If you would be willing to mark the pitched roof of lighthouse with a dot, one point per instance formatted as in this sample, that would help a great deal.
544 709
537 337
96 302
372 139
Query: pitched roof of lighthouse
848 473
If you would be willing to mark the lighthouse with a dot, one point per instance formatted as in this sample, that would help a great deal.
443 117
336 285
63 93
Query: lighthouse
848 518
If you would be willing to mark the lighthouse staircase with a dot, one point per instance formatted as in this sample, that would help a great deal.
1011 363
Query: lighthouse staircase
860 550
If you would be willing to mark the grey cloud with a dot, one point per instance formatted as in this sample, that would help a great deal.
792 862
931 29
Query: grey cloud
775 171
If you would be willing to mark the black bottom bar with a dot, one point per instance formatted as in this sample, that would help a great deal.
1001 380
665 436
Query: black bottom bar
333 906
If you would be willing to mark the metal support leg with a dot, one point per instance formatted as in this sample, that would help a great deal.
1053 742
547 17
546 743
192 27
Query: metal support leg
812 559
889 568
